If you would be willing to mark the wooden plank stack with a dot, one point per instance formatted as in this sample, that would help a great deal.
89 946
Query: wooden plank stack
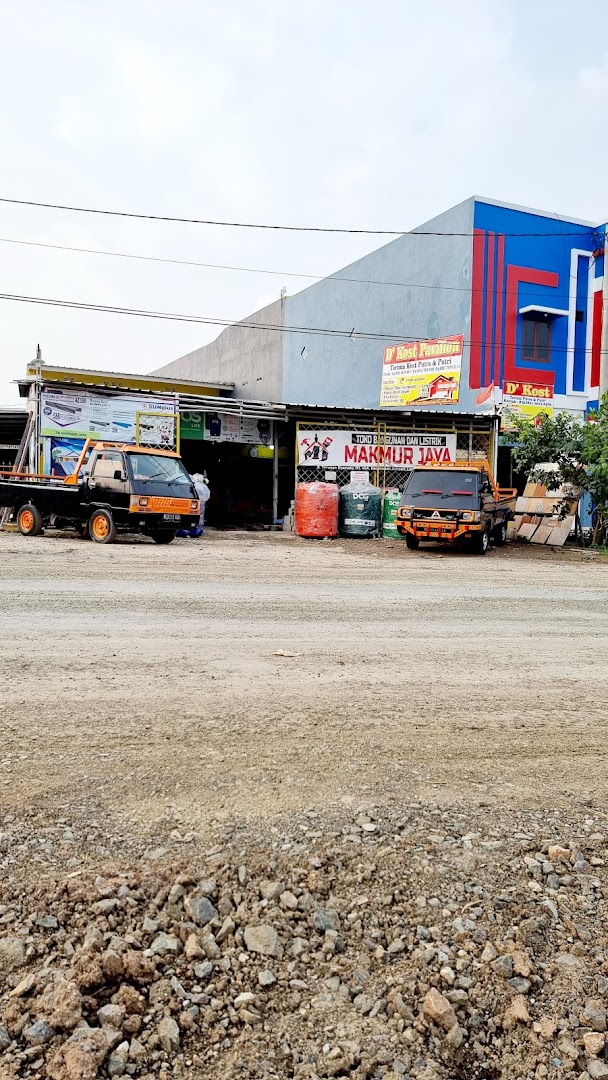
537 514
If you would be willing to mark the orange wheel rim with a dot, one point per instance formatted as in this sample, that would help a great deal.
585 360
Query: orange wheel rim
100 527
27 520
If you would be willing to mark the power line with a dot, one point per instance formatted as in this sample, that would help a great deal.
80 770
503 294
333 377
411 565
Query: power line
252 225
206 320
256 270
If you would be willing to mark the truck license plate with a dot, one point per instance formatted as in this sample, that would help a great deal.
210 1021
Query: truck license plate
171 517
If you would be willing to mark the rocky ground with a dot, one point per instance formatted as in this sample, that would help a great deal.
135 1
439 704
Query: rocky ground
398 929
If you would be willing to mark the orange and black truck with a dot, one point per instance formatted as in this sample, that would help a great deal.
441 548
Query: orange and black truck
455 502
114 488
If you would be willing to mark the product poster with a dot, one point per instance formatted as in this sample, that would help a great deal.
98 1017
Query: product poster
192 424
229 427
96 416
422 373
60 455
359 449
531 400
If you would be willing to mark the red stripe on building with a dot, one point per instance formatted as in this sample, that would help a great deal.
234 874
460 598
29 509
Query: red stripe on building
515 276
496 374
487 356
475 381
596 338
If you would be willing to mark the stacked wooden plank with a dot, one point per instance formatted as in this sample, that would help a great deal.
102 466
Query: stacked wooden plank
537 514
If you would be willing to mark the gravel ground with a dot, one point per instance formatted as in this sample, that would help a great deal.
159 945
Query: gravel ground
410 742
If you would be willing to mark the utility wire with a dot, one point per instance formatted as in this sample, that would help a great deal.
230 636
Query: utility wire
255 270
206 320
252 225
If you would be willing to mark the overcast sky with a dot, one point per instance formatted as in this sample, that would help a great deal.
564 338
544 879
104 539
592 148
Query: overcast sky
316 112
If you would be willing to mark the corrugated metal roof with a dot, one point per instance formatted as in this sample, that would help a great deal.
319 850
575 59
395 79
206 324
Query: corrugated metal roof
90 376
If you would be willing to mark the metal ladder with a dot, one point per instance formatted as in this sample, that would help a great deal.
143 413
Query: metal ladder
6 512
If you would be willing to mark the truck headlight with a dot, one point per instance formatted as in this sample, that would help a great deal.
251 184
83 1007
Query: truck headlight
143 502
470 515
194 507
405 509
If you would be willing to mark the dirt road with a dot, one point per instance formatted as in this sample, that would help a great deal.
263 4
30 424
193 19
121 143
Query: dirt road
145 679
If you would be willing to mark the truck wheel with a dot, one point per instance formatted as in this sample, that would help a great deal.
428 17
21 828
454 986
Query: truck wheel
499 535
412 542
481 542
163 536
29 520
101 527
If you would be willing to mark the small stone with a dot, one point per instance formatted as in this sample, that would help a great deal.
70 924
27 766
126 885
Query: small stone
246 998
140 968
396 946
117 1062
178 989
597 1069
192 948
200 910
326 919
503 965
168 1034
288 900
559 854
24 987
522 986
137 1051
594 1015
271 890
455 1037
5 1039
38 1034
594 1043
363 1004
438 1009
79 1057
111 1016
517 1012
112 965
12 954
204 971
47 922
448 975
226 930
61 1004
489 953
262 939
149 926
266 978
166 945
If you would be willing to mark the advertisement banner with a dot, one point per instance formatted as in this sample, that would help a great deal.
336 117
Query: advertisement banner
95 416
229 427
422 373
359 449
60 455
531 400
192 424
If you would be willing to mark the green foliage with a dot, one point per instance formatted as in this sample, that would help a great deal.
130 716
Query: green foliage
578 448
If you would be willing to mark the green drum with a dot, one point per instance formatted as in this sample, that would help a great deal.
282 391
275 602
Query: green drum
392 499
360 510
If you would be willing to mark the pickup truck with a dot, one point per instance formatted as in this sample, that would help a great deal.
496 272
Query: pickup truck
114 488
456 501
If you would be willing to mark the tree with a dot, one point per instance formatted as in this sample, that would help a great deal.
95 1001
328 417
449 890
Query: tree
579 450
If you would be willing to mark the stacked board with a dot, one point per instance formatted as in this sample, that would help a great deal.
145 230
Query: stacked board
537 515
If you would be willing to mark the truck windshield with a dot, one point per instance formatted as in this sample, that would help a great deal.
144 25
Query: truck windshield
450 490
161 470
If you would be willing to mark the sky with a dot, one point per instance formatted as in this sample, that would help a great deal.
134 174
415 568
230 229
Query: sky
336 113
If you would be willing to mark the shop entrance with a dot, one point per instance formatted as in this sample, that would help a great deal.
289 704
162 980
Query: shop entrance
240 479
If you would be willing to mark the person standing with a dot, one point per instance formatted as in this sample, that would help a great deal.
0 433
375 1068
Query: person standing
202 490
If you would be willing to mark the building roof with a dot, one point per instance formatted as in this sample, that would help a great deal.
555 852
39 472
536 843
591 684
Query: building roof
115 380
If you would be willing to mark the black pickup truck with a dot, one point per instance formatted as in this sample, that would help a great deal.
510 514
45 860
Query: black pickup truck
115 488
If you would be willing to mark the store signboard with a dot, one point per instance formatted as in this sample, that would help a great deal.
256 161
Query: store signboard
192 424
230 427
422 373
96 416
345 449
523 399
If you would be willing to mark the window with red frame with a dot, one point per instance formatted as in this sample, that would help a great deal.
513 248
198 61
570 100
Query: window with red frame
535 339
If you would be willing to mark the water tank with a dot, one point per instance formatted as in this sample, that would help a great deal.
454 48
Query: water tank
360 510
316 510
392 501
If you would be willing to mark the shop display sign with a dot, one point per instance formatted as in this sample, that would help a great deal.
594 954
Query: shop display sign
95 416
229 427
531 400
192 424
422 373
360 449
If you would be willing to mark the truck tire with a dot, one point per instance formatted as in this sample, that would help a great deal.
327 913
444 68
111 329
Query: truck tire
29 520
163 536
499 536
480 541
412 542
101 527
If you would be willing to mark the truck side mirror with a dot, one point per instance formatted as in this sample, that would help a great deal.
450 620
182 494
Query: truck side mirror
118 474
